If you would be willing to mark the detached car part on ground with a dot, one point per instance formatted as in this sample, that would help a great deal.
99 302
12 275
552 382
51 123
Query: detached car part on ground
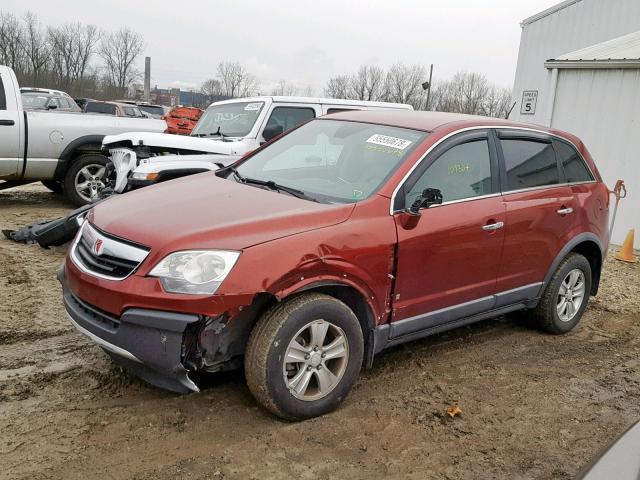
61 149
303 268
227 130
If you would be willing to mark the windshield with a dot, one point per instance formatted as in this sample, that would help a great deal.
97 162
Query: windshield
33 100
233 119
332 160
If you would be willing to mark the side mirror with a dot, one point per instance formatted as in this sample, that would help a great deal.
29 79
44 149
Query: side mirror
51 107
428 198
271 132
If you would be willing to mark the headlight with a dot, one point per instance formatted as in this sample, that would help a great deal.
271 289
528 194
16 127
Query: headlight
198 272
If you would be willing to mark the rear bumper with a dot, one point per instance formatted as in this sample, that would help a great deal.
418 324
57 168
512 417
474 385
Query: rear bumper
147 342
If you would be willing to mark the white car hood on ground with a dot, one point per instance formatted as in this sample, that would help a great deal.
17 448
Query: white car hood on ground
175 141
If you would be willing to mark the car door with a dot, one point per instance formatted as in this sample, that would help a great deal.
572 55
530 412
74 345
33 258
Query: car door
10 134
448 258
540 210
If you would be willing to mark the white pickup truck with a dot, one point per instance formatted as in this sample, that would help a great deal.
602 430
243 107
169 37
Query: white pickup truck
61 149
226 131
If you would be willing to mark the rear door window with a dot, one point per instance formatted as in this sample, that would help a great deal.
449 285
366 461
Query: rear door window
289 117
3 99
575 170
529 163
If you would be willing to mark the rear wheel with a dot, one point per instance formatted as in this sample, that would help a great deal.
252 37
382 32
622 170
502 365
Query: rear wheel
54 186
565 297
304 356
86 178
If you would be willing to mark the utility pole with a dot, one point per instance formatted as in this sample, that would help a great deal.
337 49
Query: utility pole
427 86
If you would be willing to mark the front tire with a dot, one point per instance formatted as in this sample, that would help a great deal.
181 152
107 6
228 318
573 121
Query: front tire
304 356
85 179
566 296
54 186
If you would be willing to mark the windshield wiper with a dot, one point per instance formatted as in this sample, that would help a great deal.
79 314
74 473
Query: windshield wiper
217 133
270 184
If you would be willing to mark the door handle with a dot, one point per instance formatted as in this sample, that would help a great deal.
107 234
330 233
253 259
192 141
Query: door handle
564 211
7 123
493 226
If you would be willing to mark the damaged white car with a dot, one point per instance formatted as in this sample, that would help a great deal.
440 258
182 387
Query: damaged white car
227 131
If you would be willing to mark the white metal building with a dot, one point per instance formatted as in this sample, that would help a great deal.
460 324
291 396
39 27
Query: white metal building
579 70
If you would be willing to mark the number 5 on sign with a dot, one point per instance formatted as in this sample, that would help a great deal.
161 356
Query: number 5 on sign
529 101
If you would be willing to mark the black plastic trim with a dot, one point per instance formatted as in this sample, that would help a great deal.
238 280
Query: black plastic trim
152 337
69 151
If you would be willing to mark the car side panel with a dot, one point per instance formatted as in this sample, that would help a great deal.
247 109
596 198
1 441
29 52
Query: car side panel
534 233
51 132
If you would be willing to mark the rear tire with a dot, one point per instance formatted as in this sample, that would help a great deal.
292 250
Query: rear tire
85 179
303 356
53 185
566 296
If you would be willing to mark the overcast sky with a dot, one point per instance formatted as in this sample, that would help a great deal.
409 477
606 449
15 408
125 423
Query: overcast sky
305 42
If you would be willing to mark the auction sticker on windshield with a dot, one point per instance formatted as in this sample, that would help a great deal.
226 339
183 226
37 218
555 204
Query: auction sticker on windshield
389 141
253 106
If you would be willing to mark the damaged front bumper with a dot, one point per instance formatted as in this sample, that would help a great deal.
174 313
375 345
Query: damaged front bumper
149 343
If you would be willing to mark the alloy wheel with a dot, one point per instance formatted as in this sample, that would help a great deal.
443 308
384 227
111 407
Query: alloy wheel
315 360
570 295
89 182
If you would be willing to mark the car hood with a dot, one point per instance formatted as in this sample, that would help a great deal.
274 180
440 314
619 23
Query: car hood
204 211
166 140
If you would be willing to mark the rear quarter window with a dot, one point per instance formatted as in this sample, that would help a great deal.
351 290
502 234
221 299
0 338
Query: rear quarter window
529 163
575 169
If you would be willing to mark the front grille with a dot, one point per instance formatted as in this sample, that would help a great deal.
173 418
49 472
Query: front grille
105 256
106 264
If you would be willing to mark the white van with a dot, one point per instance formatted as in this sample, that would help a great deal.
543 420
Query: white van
225 132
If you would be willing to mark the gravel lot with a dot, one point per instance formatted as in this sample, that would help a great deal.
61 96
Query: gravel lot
534 406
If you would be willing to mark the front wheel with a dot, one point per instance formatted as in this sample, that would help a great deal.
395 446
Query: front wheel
86 178
566 296
304 356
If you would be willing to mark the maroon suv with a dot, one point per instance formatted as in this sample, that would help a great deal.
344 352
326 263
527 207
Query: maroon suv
350 234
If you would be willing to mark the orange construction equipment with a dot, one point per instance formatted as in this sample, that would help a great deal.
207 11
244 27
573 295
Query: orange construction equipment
626 252
181 120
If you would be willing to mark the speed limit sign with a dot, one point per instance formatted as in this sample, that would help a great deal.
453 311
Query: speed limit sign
529 101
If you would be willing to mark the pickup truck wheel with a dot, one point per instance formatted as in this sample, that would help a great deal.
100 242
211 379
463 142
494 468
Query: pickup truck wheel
304 356
54 186
85 179
566 296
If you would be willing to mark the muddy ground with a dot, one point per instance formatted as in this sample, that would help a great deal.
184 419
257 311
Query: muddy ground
534 406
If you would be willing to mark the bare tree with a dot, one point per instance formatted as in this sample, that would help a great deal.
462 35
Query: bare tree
36 48
471 93
368 83
284 89
12 39
211 87
236 81
338 87
404 84
85 40
498 102
119 51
